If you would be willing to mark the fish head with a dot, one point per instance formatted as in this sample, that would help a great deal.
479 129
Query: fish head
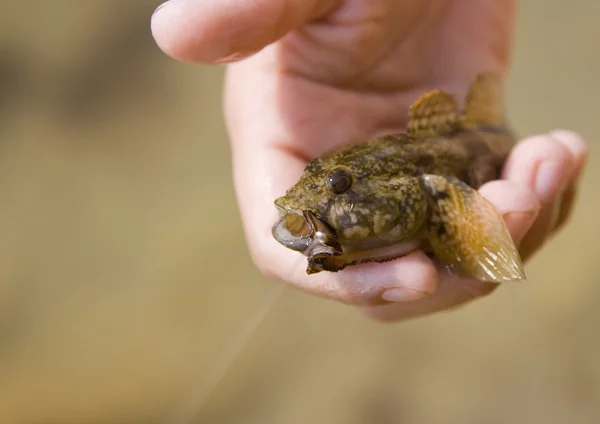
341 206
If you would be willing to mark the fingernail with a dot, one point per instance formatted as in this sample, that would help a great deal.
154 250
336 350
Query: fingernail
235 57
550 180
402 294
160 6
520 215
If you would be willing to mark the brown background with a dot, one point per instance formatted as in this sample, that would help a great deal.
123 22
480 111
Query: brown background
123 271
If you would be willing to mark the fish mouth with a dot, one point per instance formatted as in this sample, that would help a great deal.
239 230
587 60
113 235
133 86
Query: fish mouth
306 232
309 234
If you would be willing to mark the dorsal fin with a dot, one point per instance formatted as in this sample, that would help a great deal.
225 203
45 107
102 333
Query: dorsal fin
484 105
434 113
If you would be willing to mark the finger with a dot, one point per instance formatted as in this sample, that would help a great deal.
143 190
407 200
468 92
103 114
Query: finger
226 30
579 151
546 166
519 207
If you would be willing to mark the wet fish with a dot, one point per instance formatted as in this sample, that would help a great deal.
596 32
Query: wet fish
391 195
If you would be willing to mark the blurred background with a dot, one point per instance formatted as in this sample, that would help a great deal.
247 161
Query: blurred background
124 273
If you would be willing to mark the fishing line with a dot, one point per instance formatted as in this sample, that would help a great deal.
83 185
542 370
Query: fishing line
192 404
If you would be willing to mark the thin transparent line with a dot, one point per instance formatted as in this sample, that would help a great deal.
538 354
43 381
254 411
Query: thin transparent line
190 407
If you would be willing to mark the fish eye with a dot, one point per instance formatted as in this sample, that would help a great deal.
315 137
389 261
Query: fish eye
339 181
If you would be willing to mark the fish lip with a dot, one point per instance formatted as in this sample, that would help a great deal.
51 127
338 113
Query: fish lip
321 237
284 237
282 234
283 204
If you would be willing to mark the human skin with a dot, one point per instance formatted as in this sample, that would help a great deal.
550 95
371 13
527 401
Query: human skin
304 76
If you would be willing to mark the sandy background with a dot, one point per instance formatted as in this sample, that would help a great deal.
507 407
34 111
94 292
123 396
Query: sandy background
123 271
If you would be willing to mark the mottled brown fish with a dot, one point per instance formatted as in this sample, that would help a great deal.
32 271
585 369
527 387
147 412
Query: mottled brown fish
384 198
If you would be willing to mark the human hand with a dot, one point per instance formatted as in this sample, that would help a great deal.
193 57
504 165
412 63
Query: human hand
305 76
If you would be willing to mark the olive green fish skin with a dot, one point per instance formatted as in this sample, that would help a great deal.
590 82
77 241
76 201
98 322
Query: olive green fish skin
386 202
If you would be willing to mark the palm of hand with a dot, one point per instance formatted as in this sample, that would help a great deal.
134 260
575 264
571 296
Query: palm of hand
353 73
387 46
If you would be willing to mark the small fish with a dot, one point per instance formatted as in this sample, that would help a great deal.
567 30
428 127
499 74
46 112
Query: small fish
389 196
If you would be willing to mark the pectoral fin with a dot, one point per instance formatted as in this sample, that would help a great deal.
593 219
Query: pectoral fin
468 234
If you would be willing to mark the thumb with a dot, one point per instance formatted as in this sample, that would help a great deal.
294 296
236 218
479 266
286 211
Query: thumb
212 31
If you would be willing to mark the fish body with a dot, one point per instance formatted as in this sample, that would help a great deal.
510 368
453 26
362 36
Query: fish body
388 196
